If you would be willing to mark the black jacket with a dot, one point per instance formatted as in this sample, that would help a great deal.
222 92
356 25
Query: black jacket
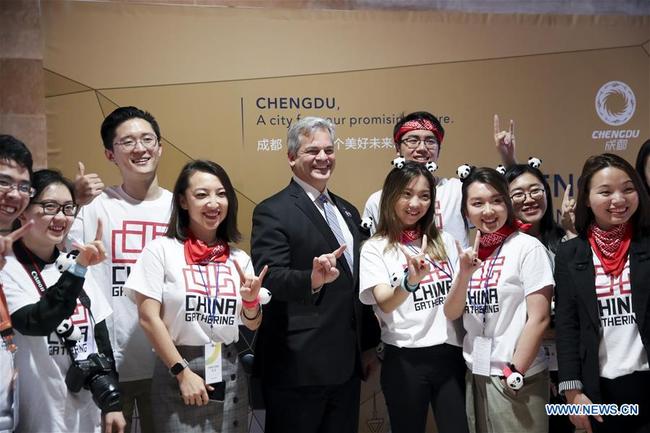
576 309
307 339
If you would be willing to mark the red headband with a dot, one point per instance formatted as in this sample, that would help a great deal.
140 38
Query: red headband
418 124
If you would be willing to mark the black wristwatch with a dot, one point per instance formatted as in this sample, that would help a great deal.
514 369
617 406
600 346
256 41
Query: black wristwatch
178 367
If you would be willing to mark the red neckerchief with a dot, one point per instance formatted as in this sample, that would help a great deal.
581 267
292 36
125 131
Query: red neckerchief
491 241
198 252
611 246
409 236
419 124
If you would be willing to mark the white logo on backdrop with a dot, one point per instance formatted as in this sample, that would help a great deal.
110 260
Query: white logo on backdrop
615 89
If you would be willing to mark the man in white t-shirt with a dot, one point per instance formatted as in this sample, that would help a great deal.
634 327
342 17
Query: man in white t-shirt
132 213
15 191
418 137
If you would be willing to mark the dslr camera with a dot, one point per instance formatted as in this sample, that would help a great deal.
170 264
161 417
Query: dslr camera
95 374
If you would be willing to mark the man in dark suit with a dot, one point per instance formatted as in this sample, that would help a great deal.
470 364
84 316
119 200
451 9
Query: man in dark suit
310 343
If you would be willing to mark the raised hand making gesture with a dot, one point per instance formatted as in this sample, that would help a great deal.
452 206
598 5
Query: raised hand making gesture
86 186
468 262
468 258
93 252
418 266
250 284
505 142
568 213
6 242
324 269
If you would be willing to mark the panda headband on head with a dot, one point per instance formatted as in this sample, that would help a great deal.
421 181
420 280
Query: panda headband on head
399 162
464 170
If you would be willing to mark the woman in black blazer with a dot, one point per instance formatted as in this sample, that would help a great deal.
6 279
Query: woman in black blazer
602 292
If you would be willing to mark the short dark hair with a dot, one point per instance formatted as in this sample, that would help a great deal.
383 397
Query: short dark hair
46 177
179 221
12 149
551 233
417 115
121 115
496 180
641 159
584 214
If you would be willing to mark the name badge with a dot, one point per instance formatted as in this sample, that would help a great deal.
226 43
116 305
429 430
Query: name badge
213 363
481 356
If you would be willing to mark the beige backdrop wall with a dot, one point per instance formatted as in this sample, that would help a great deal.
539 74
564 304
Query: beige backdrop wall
217 79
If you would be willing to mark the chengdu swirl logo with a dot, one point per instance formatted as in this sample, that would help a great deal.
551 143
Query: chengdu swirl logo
615 103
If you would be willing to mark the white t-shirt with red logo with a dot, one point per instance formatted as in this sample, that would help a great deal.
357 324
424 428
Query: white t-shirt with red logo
199 302
419 321
447 214
46 404
621 350
496 299
128 225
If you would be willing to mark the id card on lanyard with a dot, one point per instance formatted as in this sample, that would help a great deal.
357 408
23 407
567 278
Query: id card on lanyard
482 346
212 351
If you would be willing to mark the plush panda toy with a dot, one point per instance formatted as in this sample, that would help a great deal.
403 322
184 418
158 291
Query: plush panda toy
395 279
534 162
501 169
68 331
398 162
367 223
66 328
431 166
463 171
65 260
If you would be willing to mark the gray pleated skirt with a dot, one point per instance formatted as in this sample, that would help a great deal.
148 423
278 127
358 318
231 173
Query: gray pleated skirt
171 415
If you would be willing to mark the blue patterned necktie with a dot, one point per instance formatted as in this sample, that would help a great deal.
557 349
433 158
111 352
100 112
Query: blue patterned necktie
332 221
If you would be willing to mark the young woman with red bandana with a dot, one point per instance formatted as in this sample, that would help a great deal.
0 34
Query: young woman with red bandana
603 290
406 270
192 291
502 290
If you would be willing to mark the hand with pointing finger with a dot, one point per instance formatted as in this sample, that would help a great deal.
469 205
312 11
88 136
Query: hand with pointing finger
324 269
468 258
92 252
505 142
6 242
86 186
417 265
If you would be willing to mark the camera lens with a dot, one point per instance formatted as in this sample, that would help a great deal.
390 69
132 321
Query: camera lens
105 391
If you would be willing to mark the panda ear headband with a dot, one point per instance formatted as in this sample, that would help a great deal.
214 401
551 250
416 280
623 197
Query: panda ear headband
464 170
533 162
399 162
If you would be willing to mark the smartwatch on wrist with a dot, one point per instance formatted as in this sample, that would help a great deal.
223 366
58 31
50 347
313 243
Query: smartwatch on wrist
178 367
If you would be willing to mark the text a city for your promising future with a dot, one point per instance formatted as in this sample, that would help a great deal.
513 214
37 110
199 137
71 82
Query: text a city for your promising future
355 143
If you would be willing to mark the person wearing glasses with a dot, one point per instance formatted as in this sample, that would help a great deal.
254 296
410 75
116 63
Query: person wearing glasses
134 213
418 137
45 304
533 204
15 181
15 192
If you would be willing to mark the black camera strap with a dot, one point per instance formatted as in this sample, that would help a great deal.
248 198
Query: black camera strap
34 274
